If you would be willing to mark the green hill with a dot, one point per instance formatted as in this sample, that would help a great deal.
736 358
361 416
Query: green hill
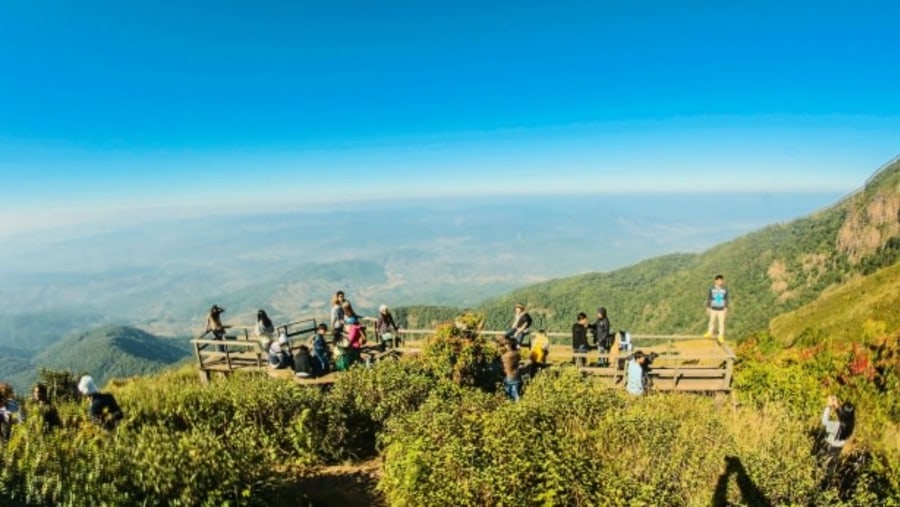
112 351
864 306
769 272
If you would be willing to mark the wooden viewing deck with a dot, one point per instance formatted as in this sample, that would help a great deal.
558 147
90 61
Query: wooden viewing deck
684 363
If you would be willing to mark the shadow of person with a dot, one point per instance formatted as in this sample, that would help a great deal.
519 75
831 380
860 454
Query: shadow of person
750 493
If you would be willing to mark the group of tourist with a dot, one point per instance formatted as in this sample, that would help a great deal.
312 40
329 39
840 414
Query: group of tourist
324 352
103 410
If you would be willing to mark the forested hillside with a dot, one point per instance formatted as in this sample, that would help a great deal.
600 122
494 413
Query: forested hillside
768 272
867 306
105 352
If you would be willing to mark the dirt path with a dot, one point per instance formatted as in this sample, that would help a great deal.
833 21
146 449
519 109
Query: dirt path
343 485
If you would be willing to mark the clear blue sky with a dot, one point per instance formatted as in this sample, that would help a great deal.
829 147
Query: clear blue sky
110 104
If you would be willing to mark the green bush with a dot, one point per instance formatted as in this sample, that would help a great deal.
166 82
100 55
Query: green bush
361 402
460 353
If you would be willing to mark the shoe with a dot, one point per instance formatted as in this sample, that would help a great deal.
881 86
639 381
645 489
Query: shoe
707 335
721 340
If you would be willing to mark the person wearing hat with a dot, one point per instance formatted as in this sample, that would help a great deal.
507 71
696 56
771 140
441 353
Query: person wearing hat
385 327
103 410
521 325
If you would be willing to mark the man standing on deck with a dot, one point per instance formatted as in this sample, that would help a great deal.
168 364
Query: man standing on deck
717 307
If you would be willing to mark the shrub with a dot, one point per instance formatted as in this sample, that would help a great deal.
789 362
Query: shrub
460 353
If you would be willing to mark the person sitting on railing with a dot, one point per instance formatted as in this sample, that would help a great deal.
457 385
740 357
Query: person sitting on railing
521 325
386 328
579 338
280 356
634 381
265 330
321 353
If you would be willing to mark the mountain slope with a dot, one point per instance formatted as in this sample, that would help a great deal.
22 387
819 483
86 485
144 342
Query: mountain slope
865 306
113 351
769 272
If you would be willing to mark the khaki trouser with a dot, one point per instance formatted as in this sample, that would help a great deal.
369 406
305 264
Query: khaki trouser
715 315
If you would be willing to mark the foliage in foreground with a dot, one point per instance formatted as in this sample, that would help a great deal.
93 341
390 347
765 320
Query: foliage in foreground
445 440
572 442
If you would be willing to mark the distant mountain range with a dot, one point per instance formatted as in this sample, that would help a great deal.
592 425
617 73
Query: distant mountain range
769 272
847 254
163 276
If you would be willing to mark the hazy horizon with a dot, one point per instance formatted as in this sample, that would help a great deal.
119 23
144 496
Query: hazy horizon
287 105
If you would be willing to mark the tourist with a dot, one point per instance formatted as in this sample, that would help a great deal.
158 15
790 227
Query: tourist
45 410
510 361
337 316
601 331
356 336
321 353
303 367
280 356
103 410
579 338
635 374
837 432
521 325
540 350
265 330
386 328
717 308
214 322
10 413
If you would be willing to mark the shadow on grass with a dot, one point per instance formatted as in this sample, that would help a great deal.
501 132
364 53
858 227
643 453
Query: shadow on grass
750 494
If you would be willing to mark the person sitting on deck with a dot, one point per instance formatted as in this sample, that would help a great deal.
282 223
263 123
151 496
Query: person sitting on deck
511 380
635 375
303 364
45 410
624 341
521 325
579 338
103 410
280 353
321 353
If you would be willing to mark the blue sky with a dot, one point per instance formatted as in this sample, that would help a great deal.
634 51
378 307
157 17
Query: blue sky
105 105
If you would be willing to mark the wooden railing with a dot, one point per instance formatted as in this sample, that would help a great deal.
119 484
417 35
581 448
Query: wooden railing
674 368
